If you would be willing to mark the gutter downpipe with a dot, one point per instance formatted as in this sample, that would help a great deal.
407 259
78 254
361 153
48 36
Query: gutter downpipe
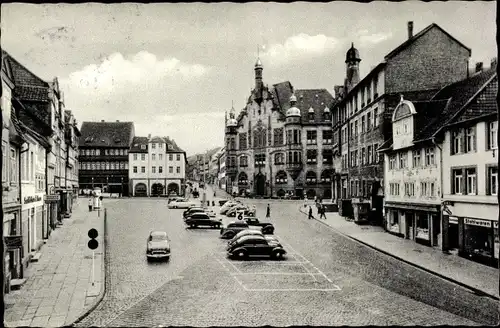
443 247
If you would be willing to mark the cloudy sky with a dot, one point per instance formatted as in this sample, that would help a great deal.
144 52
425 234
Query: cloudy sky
174 69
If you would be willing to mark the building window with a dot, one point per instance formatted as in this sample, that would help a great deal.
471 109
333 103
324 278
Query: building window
312 156
178 169
170 157
492 135
278 137
160 145
153 146
368 121
243 141
143 169
281 177
429 156
392 162
457 181
13 166
363 126
143 147
153 157
160 156
135 157
492 183
170 169
363 156
260 159
375 117
369 154
403 160
135 169
471 181
375 153
416 158
327 156
243 161
4 161
355 128
409 189
327 137
311 137
160 168
178 157
143 157
423 189
470 139
153 169
279 158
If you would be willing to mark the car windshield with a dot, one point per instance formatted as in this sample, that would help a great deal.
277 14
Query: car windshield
157 236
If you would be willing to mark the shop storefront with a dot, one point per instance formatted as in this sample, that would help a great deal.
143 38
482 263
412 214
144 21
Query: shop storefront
12 267
32 211
51 204
420 223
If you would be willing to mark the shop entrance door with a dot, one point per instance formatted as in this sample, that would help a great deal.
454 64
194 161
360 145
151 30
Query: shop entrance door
410 225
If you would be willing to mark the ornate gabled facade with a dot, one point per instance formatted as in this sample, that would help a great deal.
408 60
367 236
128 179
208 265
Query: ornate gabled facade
280 143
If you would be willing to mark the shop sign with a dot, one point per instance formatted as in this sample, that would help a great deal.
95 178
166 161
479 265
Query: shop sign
495 224
51 198
32 199
477 222
13 242
453 219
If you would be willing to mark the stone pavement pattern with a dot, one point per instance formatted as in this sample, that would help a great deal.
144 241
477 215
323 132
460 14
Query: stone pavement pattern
470 273
195 289
58 287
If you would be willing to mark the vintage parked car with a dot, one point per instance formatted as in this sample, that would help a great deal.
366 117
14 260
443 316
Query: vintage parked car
181 203
227 206
235 209
247 232
175 198
253 245
202 220
192 210
267 228
233 228
223 201
158 245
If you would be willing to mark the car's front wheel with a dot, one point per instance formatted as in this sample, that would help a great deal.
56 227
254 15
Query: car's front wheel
278 254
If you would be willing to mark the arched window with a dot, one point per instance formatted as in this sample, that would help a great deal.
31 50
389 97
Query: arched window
243 161
326 176
242 178
311 177
281 177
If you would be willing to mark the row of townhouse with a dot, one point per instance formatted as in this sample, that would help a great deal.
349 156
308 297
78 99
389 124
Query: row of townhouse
39 165
116 161
413 145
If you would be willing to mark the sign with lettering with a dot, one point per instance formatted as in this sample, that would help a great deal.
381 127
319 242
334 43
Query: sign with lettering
478 222
31 199
51 198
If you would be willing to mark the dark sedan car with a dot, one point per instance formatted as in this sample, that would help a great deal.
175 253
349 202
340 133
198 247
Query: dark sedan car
253 245
202 220
192 210
158 245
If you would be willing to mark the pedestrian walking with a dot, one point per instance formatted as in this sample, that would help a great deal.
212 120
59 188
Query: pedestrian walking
268 211
91 203
323 216
310 213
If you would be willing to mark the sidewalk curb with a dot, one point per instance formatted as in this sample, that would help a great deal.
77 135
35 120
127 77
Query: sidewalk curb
103 283
473 289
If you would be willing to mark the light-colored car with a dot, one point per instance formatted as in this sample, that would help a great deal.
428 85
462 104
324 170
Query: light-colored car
182 203
235 209
247 232
227 206
158 245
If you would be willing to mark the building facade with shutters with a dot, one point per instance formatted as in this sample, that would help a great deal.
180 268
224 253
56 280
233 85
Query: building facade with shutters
418 68
103 156
270 153
157 167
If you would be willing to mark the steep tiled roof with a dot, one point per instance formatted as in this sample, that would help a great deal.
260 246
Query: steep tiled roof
281 96
106 134
135 146
172 145
408 42
459 93
32 93
483 105
33 114
392 99
317 99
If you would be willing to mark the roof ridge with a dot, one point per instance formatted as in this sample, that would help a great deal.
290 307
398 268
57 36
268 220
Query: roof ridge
10 57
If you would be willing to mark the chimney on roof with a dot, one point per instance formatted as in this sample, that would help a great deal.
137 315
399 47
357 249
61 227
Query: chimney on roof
102 120
410 30
479 67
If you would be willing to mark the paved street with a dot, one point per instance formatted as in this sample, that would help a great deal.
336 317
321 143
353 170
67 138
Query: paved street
327 279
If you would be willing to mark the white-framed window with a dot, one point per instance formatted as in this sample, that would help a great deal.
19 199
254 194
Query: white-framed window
135 157
416 158
178 169
423 189
429 156
492 135
369 155
178 157
470 139
153 157
471 181
134 169
457 182
375 117
160 168
363 124
170 169
143 147
311 137
143 169
153 169
403 156
375 153
392 162
160 156
13 167
160 145
492 187
4 161
363 156
170 157
143 157
153 146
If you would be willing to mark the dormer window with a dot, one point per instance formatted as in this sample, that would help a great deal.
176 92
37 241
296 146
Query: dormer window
143 147
326 114
311 114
